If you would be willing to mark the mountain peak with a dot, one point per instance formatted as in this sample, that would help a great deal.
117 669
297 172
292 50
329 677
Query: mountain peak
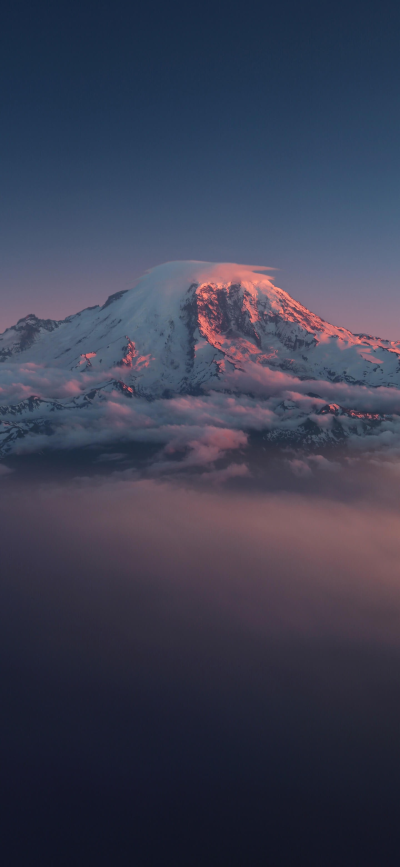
188 324
191 328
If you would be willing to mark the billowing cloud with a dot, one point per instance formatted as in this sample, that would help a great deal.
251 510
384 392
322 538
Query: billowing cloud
305 465
191 430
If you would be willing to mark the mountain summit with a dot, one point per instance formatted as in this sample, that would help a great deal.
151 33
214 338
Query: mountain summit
190 328
185 324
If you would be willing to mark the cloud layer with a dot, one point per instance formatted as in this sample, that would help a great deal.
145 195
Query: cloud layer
189 430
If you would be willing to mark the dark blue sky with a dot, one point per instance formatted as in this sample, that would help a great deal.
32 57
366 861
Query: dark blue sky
260 133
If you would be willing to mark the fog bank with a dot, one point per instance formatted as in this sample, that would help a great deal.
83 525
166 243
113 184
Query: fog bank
198 676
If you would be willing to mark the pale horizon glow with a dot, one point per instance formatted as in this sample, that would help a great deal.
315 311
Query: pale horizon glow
63 299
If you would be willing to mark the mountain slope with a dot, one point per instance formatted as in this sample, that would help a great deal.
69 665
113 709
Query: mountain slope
188 328
185 323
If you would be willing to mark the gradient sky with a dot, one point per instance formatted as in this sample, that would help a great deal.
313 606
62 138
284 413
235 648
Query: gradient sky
265 133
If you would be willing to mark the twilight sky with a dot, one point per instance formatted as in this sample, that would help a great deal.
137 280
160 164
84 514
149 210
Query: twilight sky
265 133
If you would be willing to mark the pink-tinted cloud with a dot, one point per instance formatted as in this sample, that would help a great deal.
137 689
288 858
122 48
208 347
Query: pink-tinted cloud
272 401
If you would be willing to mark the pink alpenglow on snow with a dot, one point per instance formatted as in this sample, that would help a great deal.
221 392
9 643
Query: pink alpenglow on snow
199 345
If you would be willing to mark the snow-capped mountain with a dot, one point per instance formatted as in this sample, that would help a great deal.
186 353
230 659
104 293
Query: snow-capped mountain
194 329
186 323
